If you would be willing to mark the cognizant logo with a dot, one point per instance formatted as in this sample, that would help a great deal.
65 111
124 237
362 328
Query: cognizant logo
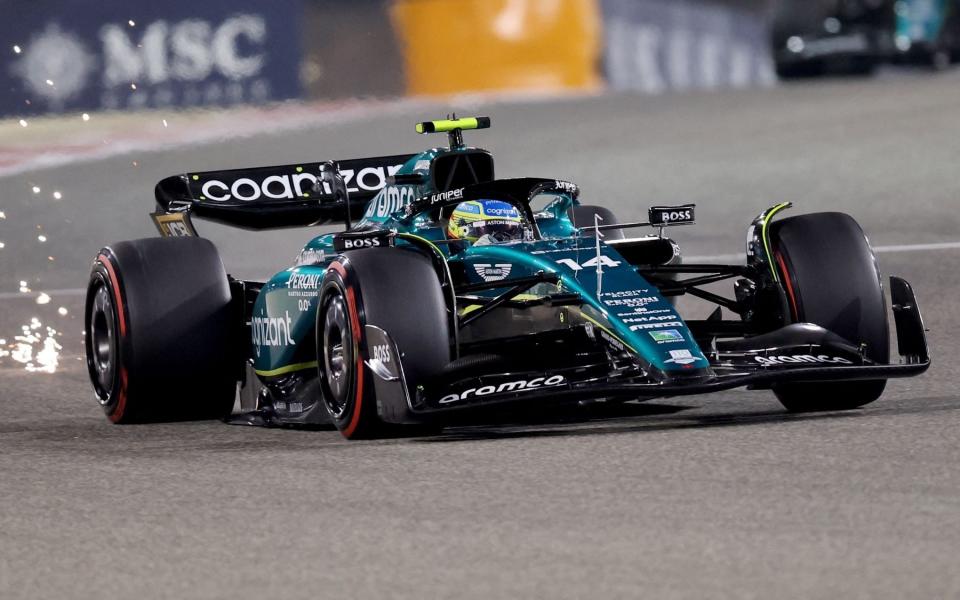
271 331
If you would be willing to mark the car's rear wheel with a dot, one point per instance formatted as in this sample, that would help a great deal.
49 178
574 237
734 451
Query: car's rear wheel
398 291
159 337
583 216
831 278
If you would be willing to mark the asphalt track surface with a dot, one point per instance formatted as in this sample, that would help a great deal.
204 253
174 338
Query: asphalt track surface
725 496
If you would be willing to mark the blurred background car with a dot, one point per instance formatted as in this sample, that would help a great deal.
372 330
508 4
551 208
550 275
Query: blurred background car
854 36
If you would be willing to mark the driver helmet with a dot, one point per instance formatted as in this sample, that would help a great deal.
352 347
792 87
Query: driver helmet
493 220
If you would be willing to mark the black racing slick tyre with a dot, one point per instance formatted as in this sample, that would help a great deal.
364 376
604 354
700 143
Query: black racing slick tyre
160 340
831 278
582 216
397 290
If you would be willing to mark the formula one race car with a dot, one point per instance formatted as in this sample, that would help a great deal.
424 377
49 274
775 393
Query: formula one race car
854 36
456 294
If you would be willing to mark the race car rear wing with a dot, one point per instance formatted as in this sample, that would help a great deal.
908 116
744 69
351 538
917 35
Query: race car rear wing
273 197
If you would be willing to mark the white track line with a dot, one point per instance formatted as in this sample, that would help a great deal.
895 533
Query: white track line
918 247
732 258
715 258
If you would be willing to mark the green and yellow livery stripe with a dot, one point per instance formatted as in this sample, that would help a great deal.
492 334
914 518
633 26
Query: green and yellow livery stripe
286 369
767 218
410 236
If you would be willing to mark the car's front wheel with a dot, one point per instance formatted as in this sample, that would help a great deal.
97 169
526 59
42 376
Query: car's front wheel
831 279
396 290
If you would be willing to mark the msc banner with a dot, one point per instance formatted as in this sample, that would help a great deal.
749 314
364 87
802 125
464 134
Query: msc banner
72 55
656 46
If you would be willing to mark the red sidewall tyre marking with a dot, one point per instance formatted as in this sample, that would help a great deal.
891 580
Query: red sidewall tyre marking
355 326
789 286
121 405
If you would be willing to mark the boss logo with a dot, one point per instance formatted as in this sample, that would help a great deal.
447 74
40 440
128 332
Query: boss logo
381 352
361 243
677 215
672 215
358 241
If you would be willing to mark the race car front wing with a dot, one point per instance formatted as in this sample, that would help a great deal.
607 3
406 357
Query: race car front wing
800 352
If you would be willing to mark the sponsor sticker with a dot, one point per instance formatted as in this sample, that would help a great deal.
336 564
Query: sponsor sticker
353 241
310 256
271 331
642 310
683 357
288 183
493 272
672 215
632 302
381 352
305 287
652 319
642 327
614 342
625 293
800 359
510 386
388 201
444 196
176 224
666 335
305 281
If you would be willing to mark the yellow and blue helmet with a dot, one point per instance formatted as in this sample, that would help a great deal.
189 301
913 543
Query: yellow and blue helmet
476 218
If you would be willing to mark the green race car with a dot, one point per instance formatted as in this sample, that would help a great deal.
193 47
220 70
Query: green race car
451 293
